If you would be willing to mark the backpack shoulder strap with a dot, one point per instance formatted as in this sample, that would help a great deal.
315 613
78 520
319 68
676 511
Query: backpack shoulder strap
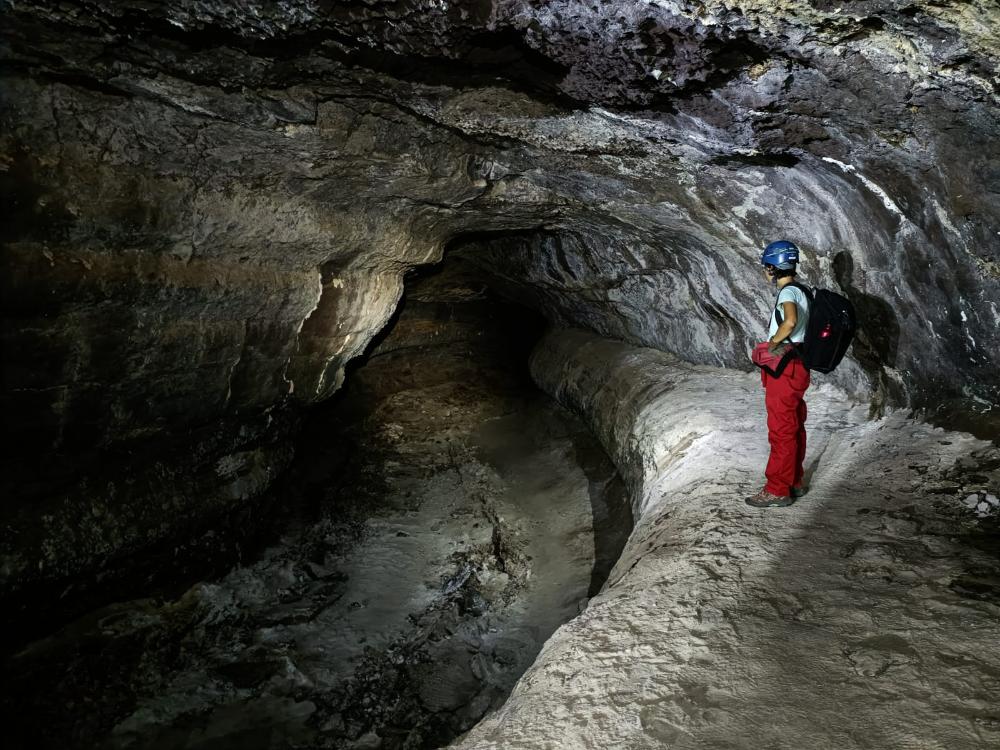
777 310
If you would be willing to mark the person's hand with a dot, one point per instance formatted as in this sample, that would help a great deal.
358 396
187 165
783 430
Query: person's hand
776 349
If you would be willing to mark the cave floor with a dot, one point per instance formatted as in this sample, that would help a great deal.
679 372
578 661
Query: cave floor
416 582
864 616
404 601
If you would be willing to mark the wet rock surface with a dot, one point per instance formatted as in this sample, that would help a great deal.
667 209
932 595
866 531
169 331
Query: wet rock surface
437 525
863 616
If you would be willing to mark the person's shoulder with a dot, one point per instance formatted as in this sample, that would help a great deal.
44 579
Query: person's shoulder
794 295
791 293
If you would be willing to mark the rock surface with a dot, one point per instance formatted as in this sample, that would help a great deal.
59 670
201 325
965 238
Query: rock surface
209 208
863 616
440 520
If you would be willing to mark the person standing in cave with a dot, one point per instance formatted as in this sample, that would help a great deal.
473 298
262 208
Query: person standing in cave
783 394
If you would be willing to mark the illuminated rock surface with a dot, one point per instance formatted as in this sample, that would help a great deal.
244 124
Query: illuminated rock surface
863 616
211 205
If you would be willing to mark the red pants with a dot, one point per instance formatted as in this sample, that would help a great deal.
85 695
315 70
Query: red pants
786 427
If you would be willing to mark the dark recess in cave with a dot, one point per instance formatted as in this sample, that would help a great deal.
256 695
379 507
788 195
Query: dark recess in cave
453 345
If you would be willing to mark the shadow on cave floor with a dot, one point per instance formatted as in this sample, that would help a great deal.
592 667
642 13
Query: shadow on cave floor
442 518
876 348
884 580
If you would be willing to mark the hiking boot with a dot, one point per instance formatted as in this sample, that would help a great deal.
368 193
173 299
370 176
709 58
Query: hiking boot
765 499
798 492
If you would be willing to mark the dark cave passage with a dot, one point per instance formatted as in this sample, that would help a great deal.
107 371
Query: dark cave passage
441 518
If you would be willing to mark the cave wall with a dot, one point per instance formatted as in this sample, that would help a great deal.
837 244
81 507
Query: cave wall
209 207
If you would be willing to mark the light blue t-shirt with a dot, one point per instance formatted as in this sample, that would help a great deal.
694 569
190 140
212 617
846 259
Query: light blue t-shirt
792 294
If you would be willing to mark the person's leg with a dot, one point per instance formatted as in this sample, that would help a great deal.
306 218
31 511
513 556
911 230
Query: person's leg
782 434
800 445
785 427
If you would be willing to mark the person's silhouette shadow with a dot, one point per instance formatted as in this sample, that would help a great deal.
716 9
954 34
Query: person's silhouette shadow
877 339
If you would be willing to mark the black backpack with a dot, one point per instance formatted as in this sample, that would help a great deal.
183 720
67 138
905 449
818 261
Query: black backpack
831 328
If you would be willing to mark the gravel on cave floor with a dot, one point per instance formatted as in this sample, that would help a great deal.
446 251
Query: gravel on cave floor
395 612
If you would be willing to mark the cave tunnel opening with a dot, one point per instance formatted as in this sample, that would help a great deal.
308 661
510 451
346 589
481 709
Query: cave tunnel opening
441 518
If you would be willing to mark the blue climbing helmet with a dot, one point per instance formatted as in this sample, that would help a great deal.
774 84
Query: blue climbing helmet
781 254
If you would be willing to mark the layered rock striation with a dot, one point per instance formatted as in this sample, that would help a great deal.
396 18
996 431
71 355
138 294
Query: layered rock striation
209 208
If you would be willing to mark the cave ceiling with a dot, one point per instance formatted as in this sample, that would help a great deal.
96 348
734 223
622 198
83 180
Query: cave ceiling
315 150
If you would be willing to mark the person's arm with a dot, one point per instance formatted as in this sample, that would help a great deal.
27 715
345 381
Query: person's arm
789 315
